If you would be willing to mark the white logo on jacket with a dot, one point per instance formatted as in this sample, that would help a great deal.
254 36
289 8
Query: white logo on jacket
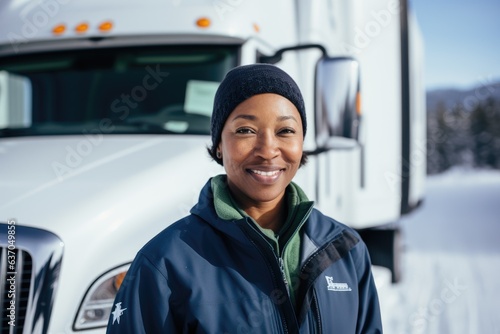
118 312
332 286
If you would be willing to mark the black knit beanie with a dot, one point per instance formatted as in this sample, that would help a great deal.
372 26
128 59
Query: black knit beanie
243 82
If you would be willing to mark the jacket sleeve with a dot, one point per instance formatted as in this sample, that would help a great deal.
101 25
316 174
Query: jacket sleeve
369 317
142 302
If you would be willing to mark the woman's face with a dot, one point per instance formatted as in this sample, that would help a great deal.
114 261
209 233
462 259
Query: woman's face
261 146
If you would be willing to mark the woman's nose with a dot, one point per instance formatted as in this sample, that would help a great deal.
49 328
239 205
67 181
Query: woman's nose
267 145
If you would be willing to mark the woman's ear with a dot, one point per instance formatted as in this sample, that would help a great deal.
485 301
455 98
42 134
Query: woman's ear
218 151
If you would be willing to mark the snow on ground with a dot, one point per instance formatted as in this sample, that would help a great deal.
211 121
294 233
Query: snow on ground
451 262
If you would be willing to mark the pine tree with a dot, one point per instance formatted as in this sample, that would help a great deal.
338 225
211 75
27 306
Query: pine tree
484 129
438 138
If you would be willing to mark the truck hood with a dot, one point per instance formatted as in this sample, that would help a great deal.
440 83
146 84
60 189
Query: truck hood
104 197
47 181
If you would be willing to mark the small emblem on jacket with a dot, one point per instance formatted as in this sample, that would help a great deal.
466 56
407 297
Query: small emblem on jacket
118 312
332 286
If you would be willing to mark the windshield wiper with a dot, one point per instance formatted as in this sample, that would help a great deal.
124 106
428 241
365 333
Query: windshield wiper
14 132
147 126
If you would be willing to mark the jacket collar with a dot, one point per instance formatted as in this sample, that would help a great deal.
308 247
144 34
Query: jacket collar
205 210
320 229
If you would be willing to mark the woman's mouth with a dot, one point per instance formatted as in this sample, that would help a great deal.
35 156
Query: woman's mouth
265 173
265 176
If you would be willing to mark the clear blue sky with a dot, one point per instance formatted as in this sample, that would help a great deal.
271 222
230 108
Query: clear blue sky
462 41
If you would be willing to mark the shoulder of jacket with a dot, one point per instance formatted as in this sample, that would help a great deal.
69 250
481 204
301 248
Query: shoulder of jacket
327 228
323 230
171 238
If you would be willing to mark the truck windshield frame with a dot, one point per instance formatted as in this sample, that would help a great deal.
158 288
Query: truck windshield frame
126 90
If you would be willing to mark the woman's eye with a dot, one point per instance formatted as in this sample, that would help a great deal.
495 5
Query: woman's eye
287 131
244 130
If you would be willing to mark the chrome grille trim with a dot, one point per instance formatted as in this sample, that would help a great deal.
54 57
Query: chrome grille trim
38 260
23 276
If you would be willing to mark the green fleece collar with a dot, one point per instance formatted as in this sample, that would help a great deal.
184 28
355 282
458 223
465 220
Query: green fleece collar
286 243
226 207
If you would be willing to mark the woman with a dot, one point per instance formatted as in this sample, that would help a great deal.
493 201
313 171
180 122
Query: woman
253 256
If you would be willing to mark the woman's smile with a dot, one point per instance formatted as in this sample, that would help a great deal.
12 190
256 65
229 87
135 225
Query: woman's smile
266 176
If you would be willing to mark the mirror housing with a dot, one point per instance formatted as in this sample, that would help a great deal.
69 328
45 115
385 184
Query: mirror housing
273 59
337 103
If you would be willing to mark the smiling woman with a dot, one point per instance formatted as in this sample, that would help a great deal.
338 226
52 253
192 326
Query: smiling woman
254 255
261 149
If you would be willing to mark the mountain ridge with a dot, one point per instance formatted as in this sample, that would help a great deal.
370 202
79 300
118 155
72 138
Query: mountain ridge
462 98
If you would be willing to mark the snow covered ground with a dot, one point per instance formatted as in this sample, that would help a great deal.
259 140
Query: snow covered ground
451 262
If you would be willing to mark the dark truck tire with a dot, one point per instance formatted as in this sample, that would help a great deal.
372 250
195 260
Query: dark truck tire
385 248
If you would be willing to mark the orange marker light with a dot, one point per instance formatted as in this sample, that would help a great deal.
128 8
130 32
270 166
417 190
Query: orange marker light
203 22
117 282
82 27
59 29
358 104
256 27
106 26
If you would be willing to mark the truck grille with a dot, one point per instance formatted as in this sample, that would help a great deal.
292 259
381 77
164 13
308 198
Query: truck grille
30 262
14 289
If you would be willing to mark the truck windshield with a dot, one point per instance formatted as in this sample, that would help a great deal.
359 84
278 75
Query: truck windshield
120 91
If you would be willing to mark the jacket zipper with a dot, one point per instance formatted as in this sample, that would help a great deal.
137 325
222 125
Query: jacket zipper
281 263
317 315
281 266
279 257
281 260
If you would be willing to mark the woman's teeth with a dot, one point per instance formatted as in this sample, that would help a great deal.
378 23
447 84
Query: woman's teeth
271 173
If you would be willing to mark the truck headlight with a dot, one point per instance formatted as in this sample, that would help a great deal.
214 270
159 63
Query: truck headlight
98 301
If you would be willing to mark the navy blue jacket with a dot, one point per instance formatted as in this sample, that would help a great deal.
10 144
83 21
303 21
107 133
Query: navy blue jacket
203 274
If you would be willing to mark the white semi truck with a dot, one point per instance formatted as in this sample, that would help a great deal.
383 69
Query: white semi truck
104 122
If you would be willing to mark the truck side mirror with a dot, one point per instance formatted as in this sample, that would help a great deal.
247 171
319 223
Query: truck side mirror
337 104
